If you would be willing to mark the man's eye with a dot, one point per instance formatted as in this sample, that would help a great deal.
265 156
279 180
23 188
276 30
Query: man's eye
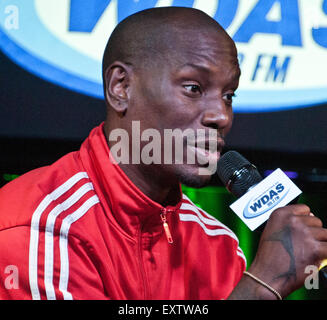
192 88
229 97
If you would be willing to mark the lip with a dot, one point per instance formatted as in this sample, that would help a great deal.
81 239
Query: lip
209 145
207 148
205 156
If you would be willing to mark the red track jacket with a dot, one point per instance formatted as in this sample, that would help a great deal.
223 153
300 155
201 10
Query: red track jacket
80 229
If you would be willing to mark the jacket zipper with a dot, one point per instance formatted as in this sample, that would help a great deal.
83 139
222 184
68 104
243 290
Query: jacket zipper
142 269
163 216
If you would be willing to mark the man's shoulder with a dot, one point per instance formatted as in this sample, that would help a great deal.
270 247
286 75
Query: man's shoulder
21 187
20 198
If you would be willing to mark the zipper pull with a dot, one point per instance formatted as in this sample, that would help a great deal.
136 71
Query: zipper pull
165 225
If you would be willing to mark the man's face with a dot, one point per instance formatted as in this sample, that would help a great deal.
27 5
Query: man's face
190 89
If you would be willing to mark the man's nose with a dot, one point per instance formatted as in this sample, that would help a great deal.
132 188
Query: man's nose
218 116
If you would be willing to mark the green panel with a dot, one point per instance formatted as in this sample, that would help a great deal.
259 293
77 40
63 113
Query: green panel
9 177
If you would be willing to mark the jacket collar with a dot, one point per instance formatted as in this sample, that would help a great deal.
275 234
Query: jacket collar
123 202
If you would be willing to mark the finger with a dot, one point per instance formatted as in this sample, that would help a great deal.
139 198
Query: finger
296 209
311 221
300 209
319 234
322 252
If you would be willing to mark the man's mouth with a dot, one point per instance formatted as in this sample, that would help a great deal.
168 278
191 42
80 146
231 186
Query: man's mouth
206 151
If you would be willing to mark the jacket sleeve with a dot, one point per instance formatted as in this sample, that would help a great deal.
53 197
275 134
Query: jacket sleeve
55 273
14 264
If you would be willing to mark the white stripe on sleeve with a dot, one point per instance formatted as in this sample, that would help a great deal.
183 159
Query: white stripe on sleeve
34 233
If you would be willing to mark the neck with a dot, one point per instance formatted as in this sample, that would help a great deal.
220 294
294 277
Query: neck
147 179
150 179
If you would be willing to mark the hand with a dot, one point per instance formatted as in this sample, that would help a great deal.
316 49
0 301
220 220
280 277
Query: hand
292 239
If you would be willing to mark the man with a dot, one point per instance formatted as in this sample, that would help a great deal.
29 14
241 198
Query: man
91 227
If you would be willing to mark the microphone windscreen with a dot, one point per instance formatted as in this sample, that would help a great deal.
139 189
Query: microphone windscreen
237 173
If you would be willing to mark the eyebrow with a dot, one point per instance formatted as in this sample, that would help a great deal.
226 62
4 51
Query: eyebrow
205 70
195 66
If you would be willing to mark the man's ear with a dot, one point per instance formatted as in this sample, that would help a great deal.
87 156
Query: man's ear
117 77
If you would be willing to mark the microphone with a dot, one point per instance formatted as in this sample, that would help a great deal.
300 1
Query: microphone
237 173
258 197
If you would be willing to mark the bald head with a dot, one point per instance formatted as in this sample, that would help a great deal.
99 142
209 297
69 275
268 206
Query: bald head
157 35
